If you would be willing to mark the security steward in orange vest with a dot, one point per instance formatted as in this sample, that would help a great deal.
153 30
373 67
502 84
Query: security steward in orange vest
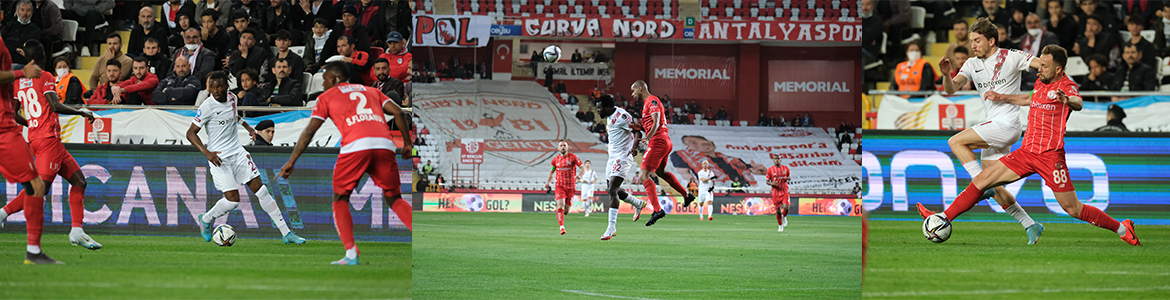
69 87
915 74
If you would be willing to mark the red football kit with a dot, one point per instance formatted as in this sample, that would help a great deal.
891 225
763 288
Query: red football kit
780 191
17 165
566 174
657 149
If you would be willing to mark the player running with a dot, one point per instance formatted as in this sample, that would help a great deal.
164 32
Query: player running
565 166
778 177
657 150
588 178
706 189
366 147
1053 100
992 69
38 98
621 160
230 164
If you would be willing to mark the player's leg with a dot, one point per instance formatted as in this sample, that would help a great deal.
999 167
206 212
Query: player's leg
650 186
779 212
1073 206
268 203
77 184
1008 201
784 217
586 199
613 188
346 173
995 175
710 210
384 172
343 220
561 210
670 178
34 216
963 145
225 180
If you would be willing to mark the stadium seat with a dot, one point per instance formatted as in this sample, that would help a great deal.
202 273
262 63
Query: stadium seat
306 78
917 17
1076 66
299 50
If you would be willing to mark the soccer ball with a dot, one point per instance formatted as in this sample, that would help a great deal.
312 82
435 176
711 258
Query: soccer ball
552 53
936 228
224 235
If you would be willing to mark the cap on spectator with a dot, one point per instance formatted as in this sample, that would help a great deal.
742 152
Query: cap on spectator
350 9
1117 111
265 125
394 36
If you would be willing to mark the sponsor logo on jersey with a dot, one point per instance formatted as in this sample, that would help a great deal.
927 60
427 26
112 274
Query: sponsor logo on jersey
1044 106
989 84
352 87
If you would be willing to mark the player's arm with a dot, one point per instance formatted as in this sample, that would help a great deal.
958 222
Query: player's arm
251 131
302 143
392 108
29 71
193 137
63 109
1075 102
950 84
656 119
16 115
1017 99
550 177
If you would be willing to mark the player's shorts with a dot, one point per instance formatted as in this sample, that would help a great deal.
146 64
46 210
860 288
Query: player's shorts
657 152
1050 165
779 198
705 196
233 170
619 167
17 165
379 163
999 135
53 159
586 190
565 192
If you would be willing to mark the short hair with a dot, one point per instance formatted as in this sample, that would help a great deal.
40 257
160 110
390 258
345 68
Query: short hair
984 27
321 21
151 40
60 59
1100 59
239 14
586 161
34 51
1058 2
252 73
1096 18
348 40
282 35
339 70
142 59
961 49
605 100
210 12
1059 55
278 59
115 35
114 62
1135 19
250 31
217 75
191 29
382 60
22 2
961 21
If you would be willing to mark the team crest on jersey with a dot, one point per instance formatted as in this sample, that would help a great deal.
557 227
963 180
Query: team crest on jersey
400 60
25 83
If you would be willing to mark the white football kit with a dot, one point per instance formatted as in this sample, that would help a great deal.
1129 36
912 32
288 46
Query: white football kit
999 72
220 121
586 186
705 187
621 141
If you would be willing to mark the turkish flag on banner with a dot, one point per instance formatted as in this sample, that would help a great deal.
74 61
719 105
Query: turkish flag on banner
502 56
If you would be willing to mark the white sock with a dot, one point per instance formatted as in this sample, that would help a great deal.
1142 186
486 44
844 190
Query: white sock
76 231
222 207
1018 212
351 253
613 214
784 220
3 215
973 168
1121 229
633 201
273 210
34 249
710 209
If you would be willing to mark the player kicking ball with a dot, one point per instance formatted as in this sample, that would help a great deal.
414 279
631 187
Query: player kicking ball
999 70
230 164
38 98
588 178
565 167
621 159
1053 100
658 148
367 147
706 190
778 177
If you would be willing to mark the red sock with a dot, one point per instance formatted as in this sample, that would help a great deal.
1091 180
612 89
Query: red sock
652 194
779 218
1098 218
403 210
16 205
561 217
786 212
34 215
77 205
673 182
344 223
964 202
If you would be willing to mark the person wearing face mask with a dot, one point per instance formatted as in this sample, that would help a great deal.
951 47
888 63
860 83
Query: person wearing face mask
200 60
1161 27
147 28
68 84
1036 38
20 30
914 74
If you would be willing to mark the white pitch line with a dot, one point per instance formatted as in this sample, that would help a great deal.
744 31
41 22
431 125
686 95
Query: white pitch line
943 270
738 290
190 286
1012 291
603 295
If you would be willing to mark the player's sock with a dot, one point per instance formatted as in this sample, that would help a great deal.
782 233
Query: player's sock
343 220
34 216
710 209
33 249
779 218
77 205
1100 219
613 214
633 200
673 182
784 219
652 193
269 205
1121 229
351 253
1018 212
561 217
973 168
76 231
222 207
403 210
964 202
16 204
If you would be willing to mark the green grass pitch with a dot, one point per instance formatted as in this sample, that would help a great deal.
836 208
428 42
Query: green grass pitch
523 256
991 260
150 267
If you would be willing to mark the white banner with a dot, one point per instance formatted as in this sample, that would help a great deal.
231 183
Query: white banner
169 127
1146 113
575 71
451 31
816 164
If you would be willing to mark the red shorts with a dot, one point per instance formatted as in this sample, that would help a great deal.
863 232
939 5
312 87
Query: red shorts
17 163
778 198
53 159
657 151
565 192
379 163
1050 165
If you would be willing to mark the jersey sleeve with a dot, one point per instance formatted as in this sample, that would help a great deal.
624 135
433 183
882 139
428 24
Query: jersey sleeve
202 115
1070 88
965 70
50 83
1024 59
321 110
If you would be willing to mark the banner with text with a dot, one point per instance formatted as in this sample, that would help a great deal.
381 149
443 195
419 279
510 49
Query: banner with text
779 31
602 28
451 30
812 85
472 202
1144 113
693 76
169 127
576 71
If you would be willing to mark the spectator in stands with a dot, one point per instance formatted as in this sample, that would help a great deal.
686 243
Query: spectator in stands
915 74
763 120
599 57
576 56
247 91
399 17
156 62
387 84
112 78
211 34
400 59
1134 75
180 88
1033 41
283 40
113 52
280 15
857 189
961 39
548 78
589 115
265 131
20 30
372 17
1106 21
253 9
315 44
808 121
1113 120
319 9
1135 24
534 60
247 54
871 33
359 39
171 11
561 88
427 169
959 58
183 22
1061 24
1161 27
241 21
200 60
88 14
285 90
423 184
896 16
779 121
1004 40
721 114
797 121
580 116
137 89
69 87
48 16
694 107
359 62
1099 78
594 95
145 29
709 115
220 12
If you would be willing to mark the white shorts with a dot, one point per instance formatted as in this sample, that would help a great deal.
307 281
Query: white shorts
999 135
705 196
233 171
586 190
619 167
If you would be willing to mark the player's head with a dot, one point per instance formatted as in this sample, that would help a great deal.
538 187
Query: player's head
113 71
776 159
639 90
706 164
35 53
563 147
217 85
1052 60
699 143
984 35
139 67
586 164
605 106
335 73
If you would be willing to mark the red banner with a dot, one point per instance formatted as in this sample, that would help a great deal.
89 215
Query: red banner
98 132
831 207
472 152
812 85
779 31
602 28
502 57
951 117
693 76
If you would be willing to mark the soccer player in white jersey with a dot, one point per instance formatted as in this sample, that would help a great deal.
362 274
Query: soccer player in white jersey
618 124
587 179
992 69
231 165
706 187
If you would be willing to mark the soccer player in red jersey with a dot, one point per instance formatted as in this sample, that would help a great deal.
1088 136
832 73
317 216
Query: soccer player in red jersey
38 98
1052 101
366 147
657 150
778 178
565 166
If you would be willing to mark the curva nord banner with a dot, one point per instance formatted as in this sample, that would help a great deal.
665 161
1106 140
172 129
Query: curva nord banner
602 28
451 31
794 84
696 76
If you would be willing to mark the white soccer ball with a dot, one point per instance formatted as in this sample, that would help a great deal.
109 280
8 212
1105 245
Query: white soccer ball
224 235
552 53
936 228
